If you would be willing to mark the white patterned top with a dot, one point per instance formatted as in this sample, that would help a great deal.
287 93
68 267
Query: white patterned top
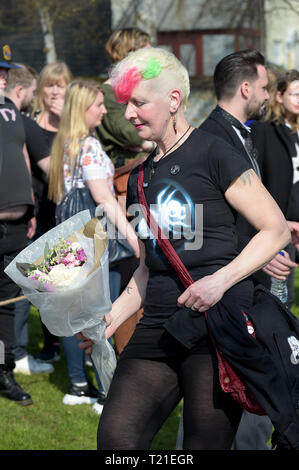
94 164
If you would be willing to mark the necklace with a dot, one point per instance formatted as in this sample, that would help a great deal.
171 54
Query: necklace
152 172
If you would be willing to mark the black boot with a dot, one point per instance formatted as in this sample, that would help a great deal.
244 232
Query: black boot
11 389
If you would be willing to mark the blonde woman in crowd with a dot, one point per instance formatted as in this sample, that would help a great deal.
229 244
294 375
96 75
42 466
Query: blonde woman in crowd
49 100
47 108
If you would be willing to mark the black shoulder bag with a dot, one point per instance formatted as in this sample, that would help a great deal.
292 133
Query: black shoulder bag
80 199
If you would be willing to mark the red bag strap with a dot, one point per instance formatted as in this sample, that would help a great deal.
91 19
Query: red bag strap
162 241
229 380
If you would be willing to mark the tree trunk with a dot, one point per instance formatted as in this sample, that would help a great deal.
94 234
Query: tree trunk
46 24
146 18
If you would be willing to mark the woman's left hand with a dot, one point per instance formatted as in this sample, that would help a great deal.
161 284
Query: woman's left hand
202 294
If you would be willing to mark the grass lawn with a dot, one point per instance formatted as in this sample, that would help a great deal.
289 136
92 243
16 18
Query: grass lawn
50 425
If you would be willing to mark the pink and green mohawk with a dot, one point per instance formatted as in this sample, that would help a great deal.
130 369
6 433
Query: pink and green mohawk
127 81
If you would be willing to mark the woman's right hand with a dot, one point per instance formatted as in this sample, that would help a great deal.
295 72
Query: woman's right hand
57 106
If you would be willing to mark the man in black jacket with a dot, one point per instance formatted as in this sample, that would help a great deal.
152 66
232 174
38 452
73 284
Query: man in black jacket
20 89
240 81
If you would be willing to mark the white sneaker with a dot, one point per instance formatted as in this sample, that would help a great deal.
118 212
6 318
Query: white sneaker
97 408
80 394
28 365
71 400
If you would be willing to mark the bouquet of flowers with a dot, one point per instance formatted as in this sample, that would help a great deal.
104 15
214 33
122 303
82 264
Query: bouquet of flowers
59 268
65 274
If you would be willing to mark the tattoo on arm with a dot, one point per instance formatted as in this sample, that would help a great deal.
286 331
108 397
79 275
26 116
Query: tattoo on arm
128 289
246 176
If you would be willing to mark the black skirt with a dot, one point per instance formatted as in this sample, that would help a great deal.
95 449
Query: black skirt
158 342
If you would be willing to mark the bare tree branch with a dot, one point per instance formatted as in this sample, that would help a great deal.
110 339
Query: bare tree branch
288 5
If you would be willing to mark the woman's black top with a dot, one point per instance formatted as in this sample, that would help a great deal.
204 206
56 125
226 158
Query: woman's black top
186 197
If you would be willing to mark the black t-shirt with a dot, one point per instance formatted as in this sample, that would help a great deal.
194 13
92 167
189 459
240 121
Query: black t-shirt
45 207
38 149
47 210
49 136
15 181
293 207
36 143
189 180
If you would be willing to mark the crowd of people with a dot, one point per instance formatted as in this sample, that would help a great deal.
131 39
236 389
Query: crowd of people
240 166
45 105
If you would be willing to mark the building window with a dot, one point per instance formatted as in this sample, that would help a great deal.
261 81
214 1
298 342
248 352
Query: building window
200 50
215 47
188 58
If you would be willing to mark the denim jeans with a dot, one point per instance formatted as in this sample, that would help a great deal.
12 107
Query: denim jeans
21 317
75 357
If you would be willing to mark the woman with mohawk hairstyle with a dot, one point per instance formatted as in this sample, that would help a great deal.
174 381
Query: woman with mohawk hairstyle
171 355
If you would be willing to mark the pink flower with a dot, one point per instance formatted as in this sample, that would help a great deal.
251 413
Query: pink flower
69 259
81 255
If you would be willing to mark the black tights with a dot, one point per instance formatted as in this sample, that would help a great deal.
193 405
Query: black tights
144 392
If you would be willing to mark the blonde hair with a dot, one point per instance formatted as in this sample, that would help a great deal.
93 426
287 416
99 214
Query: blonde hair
158 66
123 41
80 95
52 74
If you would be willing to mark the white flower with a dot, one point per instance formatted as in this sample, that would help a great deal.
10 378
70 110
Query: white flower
38 274
62 276
75 246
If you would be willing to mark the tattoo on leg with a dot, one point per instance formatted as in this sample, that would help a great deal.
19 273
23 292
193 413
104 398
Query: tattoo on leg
246 176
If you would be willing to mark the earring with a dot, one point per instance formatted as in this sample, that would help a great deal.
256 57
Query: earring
174 124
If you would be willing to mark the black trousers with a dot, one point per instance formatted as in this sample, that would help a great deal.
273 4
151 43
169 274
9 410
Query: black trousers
145 391
13 239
